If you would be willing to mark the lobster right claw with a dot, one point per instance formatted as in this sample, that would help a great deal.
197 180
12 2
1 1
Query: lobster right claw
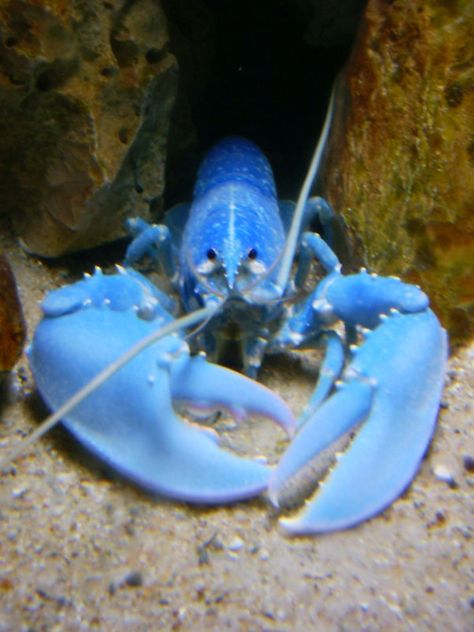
397 377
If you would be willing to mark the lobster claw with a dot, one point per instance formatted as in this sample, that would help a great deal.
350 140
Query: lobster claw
392 387
129 421
205 387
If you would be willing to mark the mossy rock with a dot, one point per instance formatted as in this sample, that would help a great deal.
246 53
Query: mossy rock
401 157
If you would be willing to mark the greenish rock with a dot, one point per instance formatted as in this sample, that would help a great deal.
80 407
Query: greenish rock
400 165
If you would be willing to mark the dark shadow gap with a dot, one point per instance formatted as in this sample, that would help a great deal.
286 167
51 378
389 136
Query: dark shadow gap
268 79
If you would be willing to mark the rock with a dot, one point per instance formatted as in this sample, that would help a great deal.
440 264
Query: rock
400 162
236 544
12 325
443 473
86 93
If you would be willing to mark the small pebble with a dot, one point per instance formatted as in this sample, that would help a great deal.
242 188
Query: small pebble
468 462
281 615
19 492
443 473
264 555
134 579
182 614
236 544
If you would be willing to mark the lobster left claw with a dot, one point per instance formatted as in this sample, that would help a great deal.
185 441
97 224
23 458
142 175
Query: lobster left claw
392 388
129 421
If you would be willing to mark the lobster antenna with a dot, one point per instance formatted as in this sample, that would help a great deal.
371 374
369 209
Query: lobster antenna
293 233
205 320
105 374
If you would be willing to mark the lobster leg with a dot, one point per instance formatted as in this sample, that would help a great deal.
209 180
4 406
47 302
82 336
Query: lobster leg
313 246
316 209
404 361
153 241
253 352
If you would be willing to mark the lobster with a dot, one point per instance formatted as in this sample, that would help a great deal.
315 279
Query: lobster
230 254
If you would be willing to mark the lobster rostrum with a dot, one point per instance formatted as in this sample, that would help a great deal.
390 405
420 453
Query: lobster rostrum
230 254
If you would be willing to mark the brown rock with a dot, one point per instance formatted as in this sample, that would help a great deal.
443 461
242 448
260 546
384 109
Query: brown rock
12 325
401 158
86 91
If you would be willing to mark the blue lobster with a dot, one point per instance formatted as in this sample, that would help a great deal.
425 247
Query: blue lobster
230 255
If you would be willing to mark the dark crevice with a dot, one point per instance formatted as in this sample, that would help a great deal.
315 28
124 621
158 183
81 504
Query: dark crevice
267 81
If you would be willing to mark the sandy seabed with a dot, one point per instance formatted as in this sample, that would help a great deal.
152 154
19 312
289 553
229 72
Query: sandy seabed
82 550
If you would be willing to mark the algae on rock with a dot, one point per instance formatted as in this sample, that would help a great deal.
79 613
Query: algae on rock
401 156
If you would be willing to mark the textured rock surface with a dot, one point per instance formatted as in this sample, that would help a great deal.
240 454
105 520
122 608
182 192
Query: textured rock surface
401 165
12 325
86 91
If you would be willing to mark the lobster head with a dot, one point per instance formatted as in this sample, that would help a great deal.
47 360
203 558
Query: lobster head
236 250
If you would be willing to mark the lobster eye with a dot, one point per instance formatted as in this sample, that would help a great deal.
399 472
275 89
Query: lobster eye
211 254
252 253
